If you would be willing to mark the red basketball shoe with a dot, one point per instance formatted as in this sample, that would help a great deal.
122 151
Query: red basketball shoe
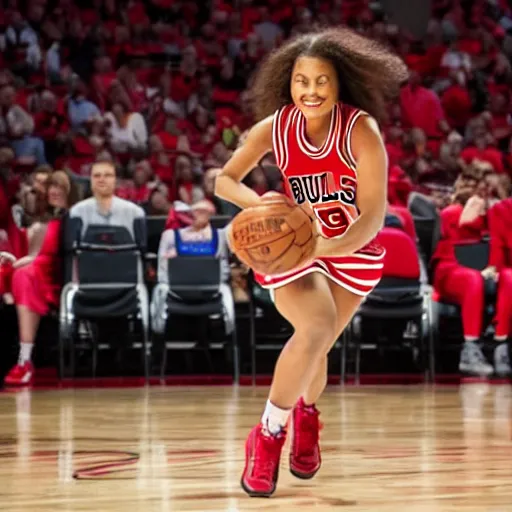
305 459
20 375
262 456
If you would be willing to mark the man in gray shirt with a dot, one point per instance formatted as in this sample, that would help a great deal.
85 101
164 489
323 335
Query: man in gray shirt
104 207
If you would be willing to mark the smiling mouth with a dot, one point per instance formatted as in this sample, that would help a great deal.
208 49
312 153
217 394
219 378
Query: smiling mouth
312 104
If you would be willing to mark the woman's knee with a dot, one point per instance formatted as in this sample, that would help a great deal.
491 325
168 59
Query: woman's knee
315 338
472 281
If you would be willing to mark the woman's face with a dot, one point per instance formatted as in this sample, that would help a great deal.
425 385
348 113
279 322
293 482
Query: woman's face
159 202
118 111
184 169
57 197
314 87
201 118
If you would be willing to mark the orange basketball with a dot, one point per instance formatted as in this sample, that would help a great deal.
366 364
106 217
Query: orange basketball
274 237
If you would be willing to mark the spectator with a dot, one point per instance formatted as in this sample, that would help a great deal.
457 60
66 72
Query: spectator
80 109
500 269
200 238
127 132
36 281
188 190
158 203
104 207
465 219
17 126
51 125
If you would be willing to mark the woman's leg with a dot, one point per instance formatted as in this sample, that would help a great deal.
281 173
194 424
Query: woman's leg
308 304
305 456
347 304
503 322
504 305
465 286
30 306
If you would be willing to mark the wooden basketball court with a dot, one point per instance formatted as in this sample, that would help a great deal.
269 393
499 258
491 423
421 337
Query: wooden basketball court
181 449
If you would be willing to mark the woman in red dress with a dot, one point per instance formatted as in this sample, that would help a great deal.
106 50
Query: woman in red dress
22 241
36 281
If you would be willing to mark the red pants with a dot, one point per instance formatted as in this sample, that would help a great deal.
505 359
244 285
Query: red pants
504 303
465 287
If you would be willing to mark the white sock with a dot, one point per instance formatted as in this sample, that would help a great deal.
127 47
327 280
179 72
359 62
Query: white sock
274 419
25 352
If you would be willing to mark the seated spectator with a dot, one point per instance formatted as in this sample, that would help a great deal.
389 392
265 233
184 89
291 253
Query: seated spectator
158 203
80 109
200 238
25 234
36 281
188 190
465 219
17 125
51 125
126 130
104 207
500 269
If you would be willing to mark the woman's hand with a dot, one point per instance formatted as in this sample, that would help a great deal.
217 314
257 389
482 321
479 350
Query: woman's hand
6 258
171 253
490 273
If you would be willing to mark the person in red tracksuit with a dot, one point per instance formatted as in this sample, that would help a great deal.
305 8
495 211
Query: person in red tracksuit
466 219
500 268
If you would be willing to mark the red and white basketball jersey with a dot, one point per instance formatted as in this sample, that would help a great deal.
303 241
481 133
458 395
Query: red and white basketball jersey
326 178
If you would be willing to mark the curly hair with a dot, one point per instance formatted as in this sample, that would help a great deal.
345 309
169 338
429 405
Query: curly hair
369 75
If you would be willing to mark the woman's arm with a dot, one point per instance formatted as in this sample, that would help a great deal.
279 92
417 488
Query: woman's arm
36 234
473 210
166 250
23 261
372 163
228 184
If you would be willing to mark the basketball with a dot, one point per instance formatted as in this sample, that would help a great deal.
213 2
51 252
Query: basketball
274 237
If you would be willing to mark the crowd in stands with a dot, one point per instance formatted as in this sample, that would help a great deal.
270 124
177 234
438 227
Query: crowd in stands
161 89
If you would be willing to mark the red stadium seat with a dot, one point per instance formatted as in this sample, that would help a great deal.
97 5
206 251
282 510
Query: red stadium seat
401 258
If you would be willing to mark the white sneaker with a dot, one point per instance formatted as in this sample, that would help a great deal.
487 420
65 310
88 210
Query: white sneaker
502 360
472 360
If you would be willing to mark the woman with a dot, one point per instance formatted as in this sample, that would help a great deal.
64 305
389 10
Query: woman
23 241
316 98
500 269
126 130
187 188
464 220
36 279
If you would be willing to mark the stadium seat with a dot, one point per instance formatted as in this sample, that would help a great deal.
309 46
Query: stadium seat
104 270
195 289
402 297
